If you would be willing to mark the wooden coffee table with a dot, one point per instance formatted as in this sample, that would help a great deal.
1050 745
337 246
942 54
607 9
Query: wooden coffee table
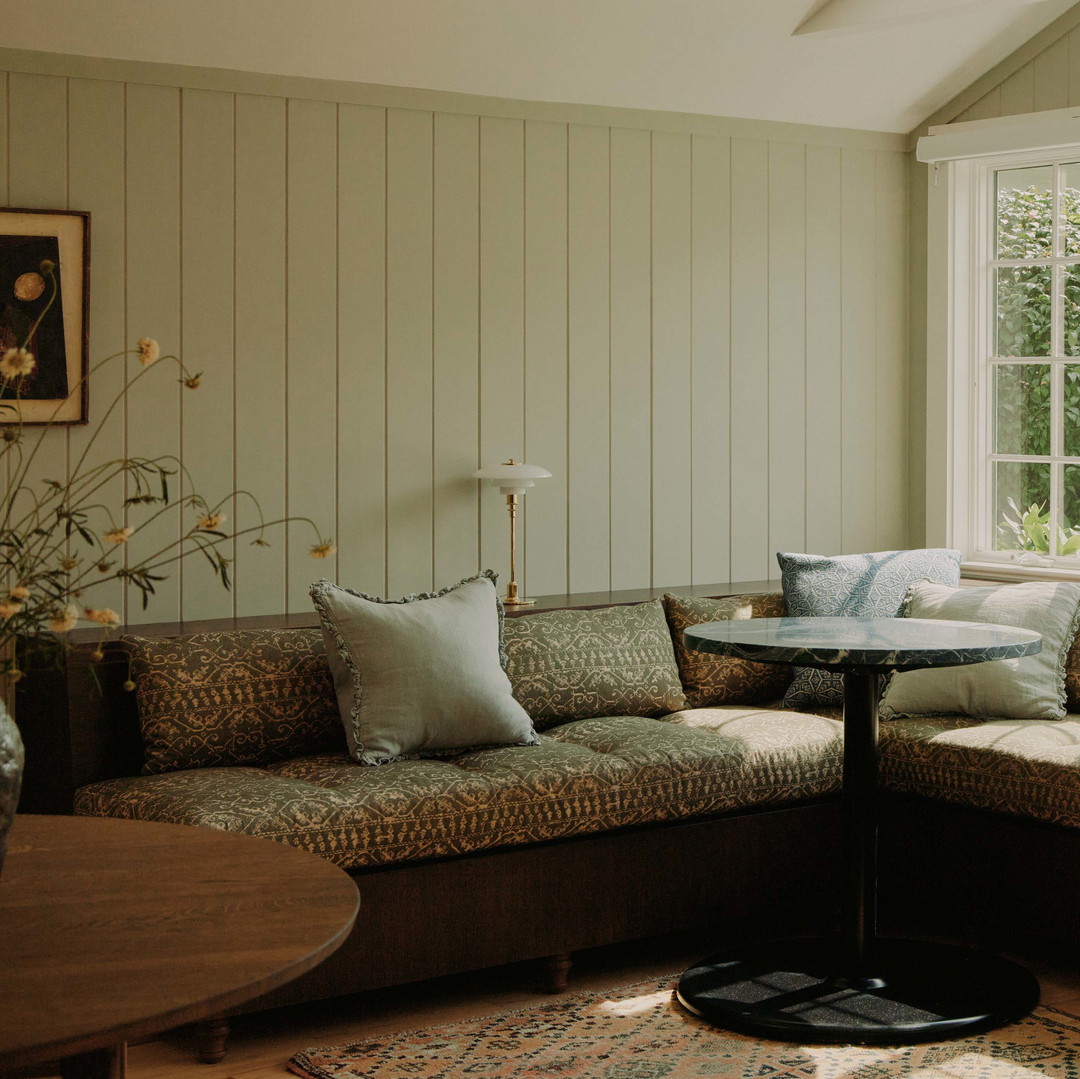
112 930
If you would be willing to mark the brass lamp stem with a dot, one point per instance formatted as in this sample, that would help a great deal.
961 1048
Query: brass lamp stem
512 599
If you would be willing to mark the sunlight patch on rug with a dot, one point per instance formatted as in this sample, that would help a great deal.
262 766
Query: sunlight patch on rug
640 1032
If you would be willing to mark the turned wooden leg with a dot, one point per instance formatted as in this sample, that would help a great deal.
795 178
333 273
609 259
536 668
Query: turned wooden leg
108 1063
210 1038
557 971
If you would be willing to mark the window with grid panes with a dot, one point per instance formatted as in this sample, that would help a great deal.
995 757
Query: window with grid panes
1030 504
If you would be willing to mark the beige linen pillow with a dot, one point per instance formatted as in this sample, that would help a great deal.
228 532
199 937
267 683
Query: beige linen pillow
1032 687
420 675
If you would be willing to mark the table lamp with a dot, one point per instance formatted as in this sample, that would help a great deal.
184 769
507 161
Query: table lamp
512 477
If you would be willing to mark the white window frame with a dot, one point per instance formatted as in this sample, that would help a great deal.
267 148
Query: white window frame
960 330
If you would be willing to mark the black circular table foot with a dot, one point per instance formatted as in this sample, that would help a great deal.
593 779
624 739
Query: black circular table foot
910 991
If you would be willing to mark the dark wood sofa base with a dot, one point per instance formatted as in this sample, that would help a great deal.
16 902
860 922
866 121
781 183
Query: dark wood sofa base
758 873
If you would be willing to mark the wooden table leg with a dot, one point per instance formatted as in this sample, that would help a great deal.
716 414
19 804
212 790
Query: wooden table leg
107 1063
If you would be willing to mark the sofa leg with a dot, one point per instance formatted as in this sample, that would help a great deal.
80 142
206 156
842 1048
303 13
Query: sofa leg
556 972
210 1038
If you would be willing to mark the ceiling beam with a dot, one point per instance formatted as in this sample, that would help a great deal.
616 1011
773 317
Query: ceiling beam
850 16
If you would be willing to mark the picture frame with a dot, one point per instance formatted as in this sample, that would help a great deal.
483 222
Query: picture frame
57 391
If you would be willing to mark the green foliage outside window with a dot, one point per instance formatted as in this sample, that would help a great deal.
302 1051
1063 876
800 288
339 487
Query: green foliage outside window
1023 391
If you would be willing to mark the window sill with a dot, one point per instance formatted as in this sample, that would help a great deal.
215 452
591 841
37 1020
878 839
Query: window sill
1009 571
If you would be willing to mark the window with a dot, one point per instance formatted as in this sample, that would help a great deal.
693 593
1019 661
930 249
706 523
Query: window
1003 353
1028 501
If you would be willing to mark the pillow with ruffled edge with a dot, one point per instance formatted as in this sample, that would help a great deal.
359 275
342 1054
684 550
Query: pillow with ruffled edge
1031 687
852 586
423 675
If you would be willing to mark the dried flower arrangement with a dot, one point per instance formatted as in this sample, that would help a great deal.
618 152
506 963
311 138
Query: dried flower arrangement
58 541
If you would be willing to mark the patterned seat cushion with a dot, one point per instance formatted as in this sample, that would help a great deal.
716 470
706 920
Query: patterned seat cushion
711 679
590 776
239 697
614 661
1030 768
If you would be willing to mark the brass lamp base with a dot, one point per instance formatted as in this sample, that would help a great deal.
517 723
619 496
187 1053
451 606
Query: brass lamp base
516 601
512 599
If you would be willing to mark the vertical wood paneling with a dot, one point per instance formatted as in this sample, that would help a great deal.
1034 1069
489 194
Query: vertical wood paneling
1050 77
408 351
1018 91
703 339
37 177
545 354
96 180
260 293
456 330
502 322
361 310
207 328
824 426
153 310
750 559
631 351
711 360
311 338
671 358
788 478
987 107
890 325
1074 67
858 367
589 358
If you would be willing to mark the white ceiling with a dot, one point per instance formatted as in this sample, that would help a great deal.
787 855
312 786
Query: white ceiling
875 65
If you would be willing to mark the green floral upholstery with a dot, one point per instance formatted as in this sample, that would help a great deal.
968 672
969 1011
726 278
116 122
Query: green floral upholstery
615 661
1030 768
239 697
590 776
711 679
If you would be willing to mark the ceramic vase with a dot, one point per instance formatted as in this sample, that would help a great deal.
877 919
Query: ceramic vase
11 769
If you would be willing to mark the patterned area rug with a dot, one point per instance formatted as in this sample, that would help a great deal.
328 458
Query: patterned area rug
640 1032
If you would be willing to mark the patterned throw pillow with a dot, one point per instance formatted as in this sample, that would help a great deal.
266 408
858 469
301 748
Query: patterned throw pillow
853 586
240 697
613 661
423 675
711 679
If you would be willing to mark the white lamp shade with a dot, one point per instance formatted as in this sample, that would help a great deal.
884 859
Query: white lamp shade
511 477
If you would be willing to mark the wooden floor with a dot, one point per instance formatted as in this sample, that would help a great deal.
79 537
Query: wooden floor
261 1044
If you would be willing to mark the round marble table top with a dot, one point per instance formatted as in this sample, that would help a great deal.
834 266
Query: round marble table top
887 643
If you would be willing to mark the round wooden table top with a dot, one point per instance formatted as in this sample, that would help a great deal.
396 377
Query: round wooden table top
116 929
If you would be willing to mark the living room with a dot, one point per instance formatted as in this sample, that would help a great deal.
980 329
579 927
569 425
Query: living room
681 285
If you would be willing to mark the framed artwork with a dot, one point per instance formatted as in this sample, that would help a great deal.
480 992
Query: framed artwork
47 313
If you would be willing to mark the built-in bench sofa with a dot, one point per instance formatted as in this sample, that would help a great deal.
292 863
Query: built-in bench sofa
722 816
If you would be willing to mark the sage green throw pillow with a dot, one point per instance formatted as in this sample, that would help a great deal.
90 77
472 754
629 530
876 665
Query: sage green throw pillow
421 675
613 661
1032 687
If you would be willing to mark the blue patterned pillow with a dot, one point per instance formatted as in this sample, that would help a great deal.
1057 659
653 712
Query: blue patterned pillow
850 586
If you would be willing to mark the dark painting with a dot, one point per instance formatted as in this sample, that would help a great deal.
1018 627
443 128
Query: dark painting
24 293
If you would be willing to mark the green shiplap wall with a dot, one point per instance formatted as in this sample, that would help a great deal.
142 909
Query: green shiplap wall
698 326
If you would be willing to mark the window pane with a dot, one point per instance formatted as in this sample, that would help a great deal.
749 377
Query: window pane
1070 284
1070 207
1023 311
1069 541
1022 408
1021 506
1025 213
1071 411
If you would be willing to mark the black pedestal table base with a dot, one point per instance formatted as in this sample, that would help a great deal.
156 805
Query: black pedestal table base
862 988
918 992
